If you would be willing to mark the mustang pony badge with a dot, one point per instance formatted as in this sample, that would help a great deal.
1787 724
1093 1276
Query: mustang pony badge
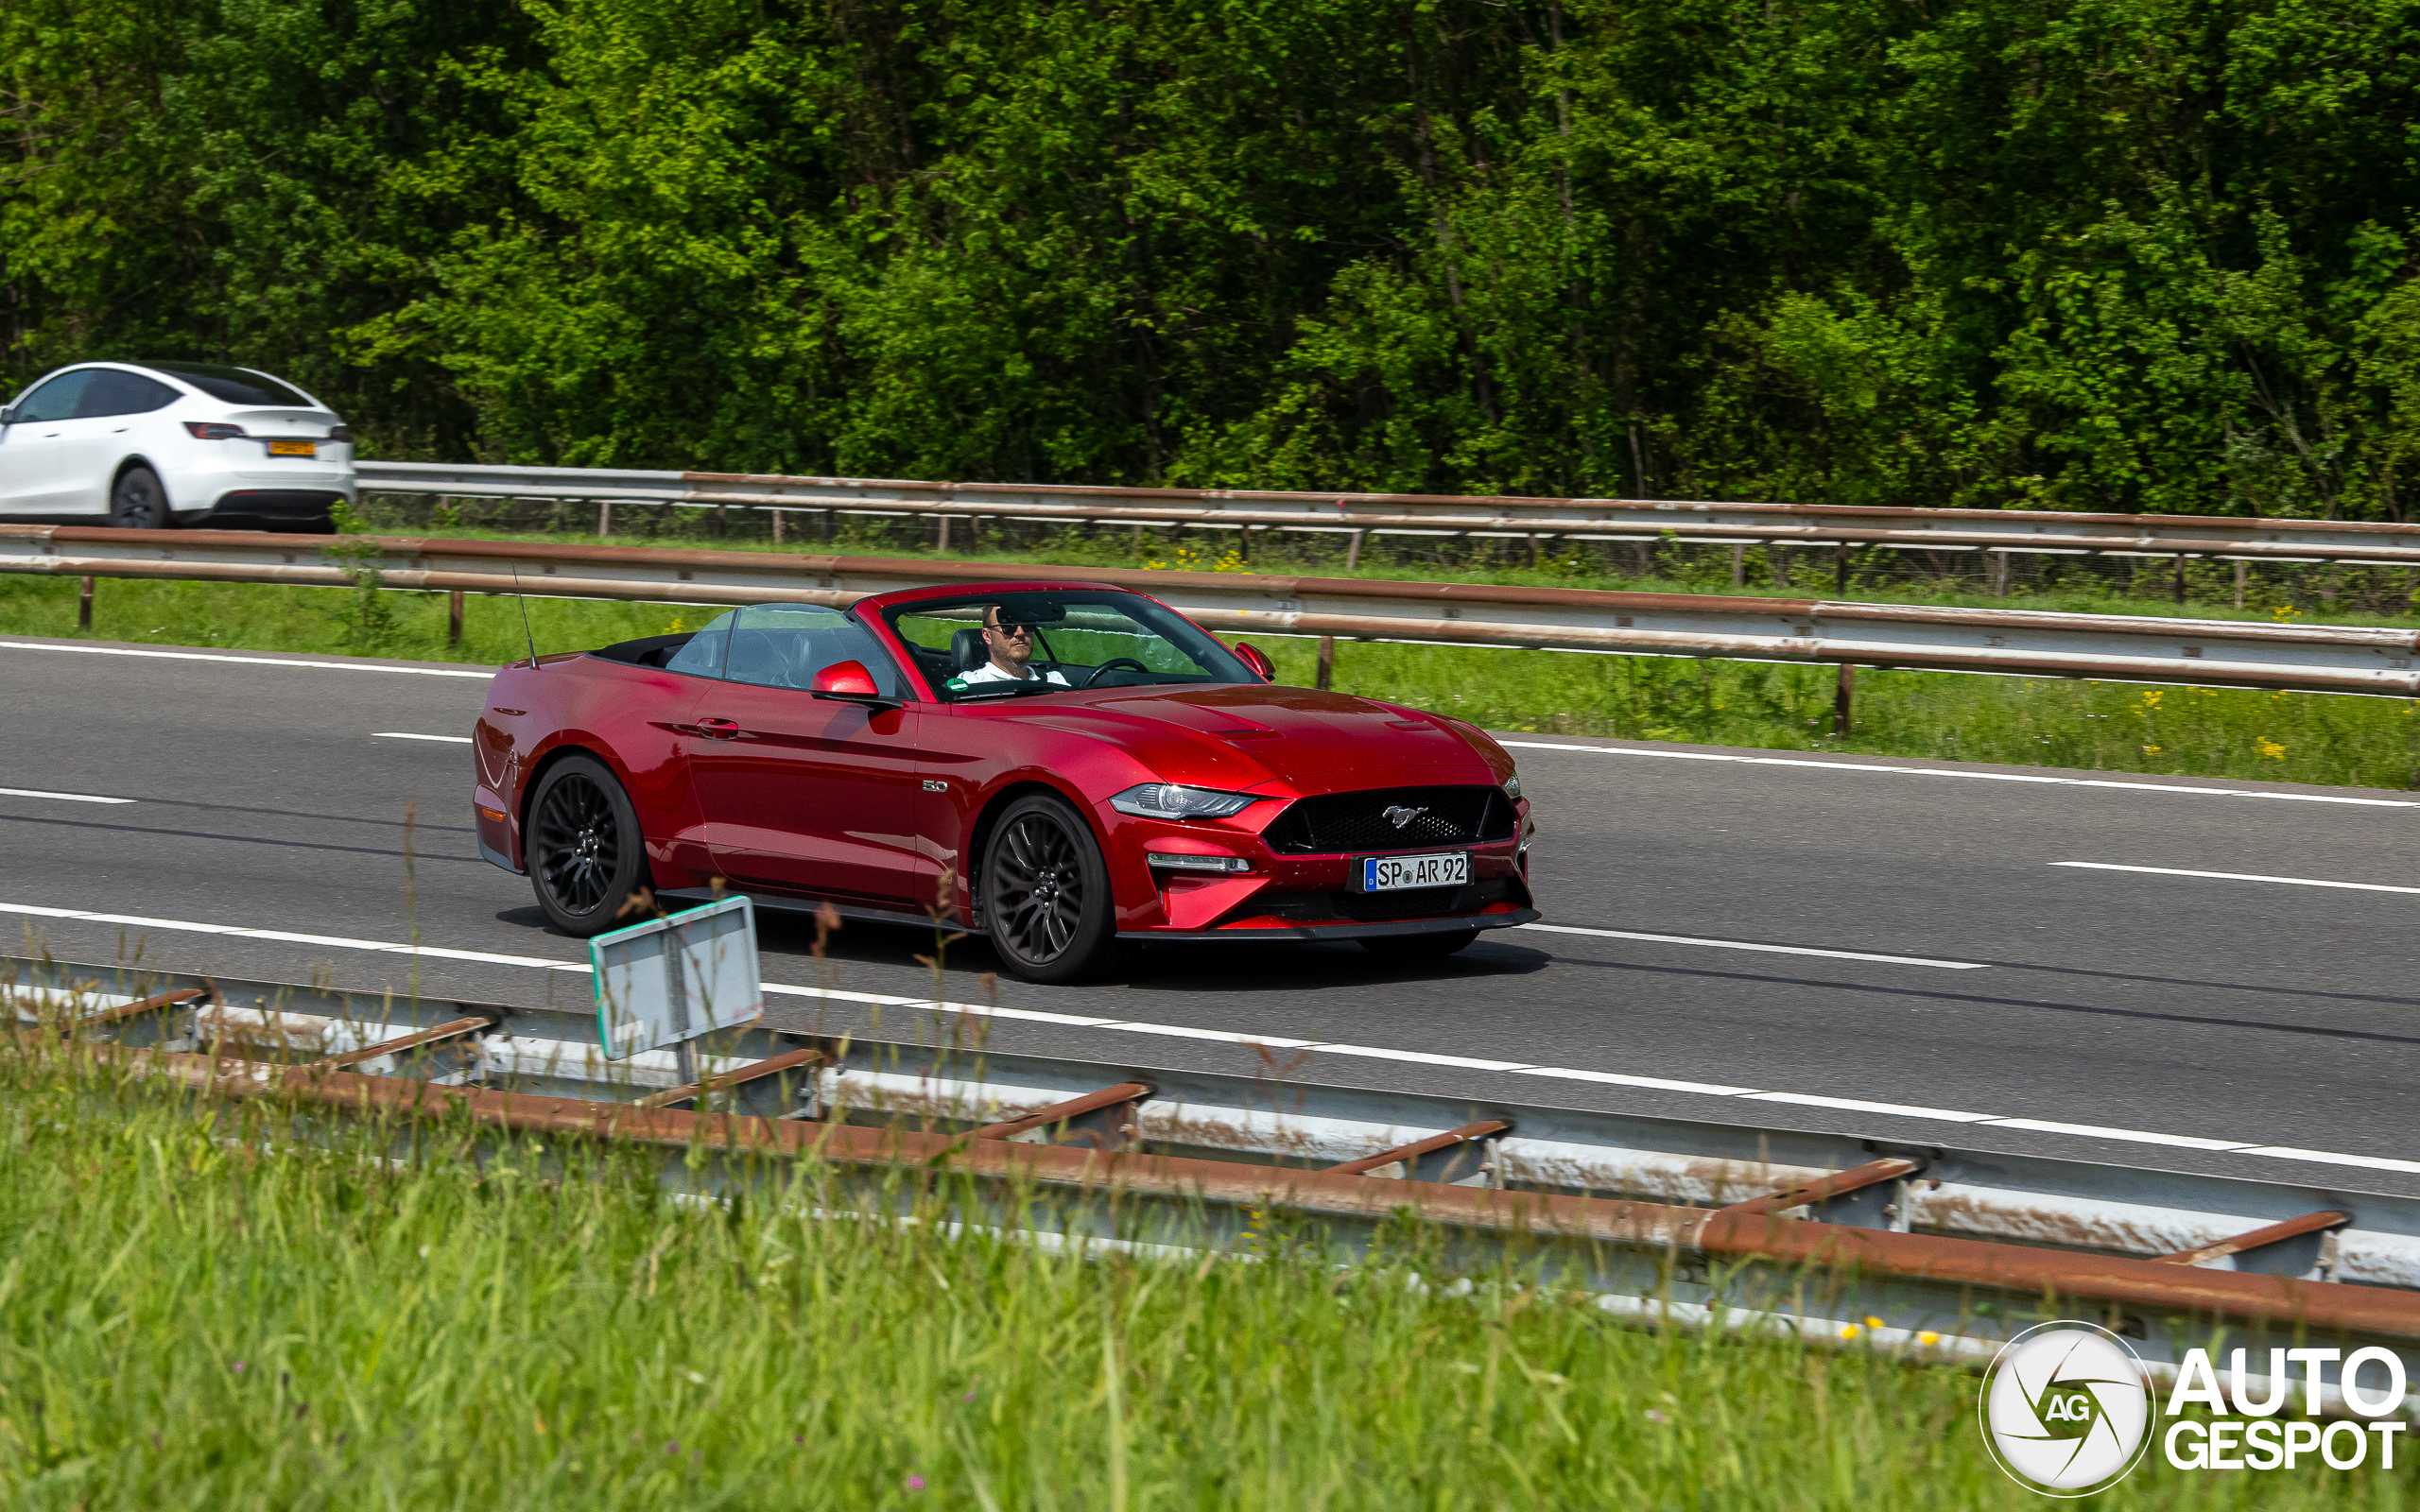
1400 816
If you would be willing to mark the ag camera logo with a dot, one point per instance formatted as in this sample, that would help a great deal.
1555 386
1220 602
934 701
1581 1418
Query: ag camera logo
2068 1409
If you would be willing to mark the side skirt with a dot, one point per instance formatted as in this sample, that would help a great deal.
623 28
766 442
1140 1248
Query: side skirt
783 902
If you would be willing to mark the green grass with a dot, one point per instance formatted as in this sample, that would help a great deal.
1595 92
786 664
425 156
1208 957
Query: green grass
2179 731
198 1312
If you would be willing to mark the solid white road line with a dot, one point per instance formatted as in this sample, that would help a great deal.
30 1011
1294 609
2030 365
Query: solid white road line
399 735
1614 1078
2324 1158
1744 945
1856 1104
335 942
984 1010
1951 772
64 798
247 661
2094 1131
2234 876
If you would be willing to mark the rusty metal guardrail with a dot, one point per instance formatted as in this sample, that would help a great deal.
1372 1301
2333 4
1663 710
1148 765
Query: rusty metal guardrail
2054 532
1933 1249
2139 648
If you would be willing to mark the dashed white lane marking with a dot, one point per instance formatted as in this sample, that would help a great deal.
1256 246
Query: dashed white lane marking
1980 776
247 661
402 734
1745 945
2235 876
63 798
986 1010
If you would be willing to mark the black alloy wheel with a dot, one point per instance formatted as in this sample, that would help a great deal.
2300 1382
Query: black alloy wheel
585 854
1045 894
1406 948
139 502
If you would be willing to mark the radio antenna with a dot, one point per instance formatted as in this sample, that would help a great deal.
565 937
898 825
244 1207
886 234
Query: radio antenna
524 615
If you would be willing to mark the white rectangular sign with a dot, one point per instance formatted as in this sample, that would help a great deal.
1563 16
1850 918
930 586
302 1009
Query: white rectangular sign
670 980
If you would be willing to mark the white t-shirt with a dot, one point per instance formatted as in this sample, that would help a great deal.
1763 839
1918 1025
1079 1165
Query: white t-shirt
989 672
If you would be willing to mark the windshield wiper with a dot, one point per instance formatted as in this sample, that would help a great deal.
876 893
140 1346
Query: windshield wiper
1013 690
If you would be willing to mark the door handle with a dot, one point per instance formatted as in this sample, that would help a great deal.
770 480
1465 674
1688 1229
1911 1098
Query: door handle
718 729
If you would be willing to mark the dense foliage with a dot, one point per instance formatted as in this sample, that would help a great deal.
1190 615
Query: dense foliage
2129 255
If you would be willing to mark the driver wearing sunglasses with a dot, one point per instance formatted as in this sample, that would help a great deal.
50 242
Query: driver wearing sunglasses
1010 644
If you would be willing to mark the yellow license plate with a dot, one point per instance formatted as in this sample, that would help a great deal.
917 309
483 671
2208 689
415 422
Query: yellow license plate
293 448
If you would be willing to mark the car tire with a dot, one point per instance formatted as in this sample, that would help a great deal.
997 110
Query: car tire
1409 947
586 855
139 503
1047 903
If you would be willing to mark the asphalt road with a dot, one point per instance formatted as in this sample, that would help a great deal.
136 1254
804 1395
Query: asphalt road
2171 1011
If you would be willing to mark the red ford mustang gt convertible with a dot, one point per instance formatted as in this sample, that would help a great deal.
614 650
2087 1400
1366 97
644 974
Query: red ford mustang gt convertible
1064 767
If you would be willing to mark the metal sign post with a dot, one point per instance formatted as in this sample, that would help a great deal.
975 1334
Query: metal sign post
669 981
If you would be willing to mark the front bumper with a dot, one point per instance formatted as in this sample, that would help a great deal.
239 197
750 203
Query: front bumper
1291 894
1373 929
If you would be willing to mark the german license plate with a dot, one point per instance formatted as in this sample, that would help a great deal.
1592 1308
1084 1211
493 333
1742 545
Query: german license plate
1446 869
293 448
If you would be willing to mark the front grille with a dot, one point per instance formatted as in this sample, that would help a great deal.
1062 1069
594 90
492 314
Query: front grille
1359 821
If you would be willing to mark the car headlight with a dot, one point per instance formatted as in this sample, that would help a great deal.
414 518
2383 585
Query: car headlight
1172 800
1513 787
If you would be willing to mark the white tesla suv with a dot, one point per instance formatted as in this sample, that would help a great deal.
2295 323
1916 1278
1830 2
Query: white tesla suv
157 444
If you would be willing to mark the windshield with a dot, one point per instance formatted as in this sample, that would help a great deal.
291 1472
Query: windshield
1005 646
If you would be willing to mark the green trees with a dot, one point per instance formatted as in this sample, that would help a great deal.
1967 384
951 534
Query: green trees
242 178
2131 254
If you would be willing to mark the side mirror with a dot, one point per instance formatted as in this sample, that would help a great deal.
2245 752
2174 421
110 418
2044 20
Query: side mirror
849 682
1253 659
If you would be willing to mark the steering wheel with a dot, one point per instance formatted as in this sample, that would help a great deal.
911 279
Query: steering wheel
1110 665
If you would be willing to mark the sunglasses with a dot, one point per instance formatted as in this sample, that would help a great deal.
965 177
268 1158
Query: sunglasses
1013 628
